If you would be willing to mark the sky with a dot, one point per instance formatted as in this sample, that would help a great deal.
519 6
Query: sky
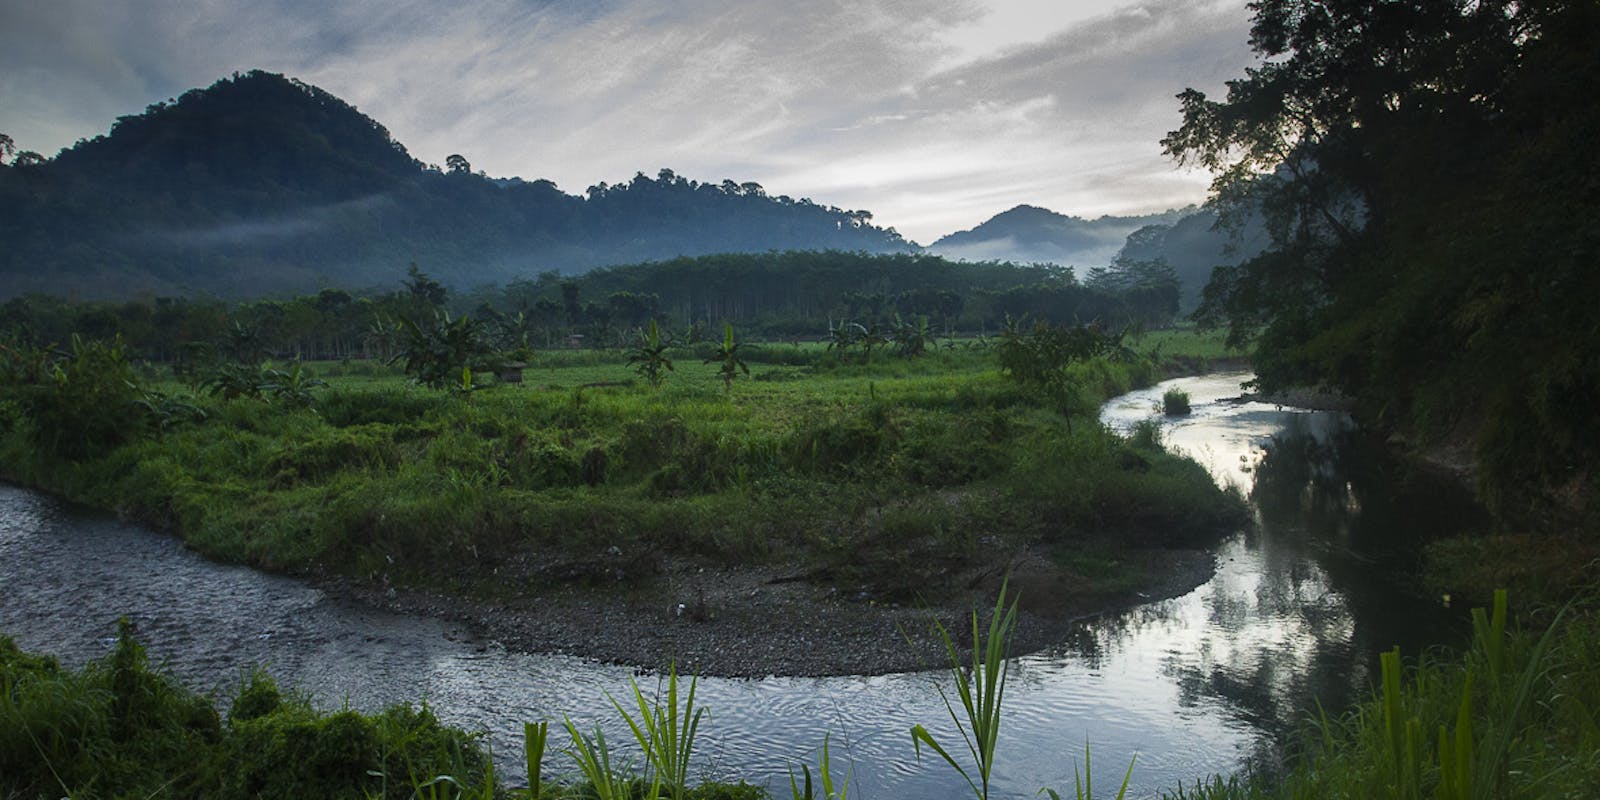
932 114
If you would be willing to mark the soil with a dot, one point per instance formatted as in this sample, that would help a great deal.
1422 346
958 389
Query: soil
759 621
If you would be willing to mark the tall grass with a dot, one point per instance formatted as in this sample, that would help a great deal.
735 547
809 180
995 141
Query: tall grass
1516 716
823 789
665 732
980 687
1175 402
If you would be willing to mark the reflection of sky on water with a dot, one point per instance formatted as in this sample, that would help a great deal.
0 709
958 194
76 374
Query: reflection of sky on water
1193 685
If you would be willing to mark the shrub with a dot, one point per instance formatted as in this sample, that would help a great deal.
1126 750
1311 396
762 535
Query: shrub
1146 435
331 451
1175 403
78 404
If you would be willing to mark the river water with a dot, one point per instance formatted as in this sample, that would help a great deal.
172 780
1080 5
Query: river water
1296 613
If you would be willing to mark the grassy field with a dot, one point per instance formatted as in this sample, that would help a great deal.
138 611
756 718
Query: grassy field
890 473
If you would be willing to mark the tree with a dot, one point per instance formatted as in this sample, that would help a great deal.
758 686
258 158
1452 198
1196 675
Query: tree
650 357
440 351
727 358
1427 174
912 339
458 164
1039 356
424 288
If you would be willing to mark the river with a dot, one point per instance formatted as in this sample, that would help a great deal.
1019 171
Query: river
1295 614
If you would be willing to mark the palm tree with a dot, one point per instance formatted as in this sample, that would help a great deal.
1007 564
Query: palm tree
436 352
871 338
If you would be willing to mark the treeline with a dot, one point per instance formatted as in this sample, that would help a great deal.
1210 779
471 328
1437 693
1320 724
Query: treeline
774 295
805 294
261 184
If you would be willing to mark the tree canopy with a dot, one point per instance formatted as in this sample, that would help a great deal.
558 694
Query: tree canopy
1427 171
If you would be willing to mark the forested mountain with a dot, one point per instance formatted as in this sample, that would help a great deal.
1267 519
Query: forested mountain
1029 234
262 184
1194 246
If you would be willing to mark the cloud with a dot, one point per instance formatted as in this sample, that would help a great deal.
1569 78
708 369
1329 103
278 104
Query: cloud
269 230
933 114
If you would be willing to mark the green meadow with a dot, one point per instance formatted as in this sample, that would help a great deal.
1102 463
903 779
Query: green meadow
884 471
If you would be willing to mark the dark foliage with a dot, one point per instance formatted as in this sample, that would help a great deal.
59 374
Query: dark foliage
1428 174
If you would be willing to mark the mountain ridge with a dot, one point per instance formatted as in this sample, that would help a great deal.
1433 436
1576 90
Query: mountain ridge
262 184
1033 234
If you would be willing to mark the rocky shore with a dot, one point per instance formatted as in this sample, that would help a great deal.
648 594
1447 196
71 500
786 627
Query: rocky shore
754 622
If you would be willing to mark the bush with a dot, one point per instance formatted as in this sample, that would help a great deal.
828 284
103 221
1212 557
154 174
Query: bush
77 405
1175 403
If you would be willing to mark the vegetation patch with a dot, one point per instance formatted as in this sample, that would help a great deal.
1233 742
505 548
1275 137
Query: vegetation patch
888 474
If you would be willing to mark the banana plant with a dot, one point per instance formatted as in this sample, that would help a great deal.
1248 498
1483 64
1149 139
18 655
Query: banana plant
650 357
726 357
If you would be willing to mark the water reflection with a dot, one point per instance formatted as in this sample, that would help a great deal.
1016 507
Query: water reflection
1301 604
1194 685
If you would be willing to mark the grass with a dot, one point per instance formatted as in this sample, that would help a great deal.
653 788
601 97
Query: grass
1516 716
981 688
886 473
1188 348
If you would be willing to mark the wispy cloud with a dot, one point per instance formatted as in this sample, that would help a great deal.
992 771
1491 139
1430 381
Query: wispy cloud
934 115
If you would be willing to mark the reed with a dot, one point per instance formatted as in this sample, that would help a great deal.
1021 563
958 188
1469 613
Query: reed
981 688
1083 786
535 735
665 732
1515 716
824 779
609 779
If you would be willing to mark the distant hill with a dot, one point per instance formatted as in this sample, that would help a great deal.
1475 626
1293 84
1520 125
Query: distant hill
1029 234
1193 246
260 184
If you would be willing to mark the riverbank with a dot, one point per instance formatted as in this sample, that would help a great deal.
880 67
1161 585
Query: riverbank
804 522
759 621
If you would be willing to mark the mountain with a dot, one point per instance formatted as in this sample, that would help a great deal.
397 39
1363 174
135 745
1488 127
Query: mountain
261 184
1029 234
1193 246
